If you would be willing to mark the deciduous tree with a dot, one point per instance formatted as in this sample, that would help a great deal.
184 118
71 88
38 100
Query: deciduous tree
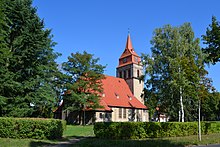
83 83
174 71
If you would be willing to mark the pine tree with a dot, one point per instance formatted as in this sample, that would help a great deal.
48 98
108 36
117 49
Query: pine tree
4 54
29 87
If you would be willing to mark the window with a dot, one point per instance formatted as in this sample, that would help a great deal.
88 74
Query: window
138 73
129 97
124 60
100 115
129 73
120 74
125 74
120 113
108 117
117 96
124 113
131 114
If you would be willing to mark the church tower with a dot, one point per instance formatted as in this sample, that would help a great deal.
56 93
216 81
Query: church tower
130 69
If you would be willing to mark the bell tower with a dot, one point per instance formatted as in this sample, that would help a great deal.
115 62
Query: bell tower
130 69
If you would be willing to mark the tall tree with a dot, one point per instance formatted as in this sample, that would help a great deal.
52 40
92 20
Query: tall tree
29 85
83 82
4 54
174 70
212 39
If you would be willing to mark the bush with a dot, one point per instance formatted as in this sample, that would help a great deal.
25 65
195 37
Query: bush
35 128
141 130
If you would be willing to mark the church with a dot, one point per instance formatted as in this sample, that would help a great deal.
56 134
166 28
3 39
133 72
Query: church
121 99
122 95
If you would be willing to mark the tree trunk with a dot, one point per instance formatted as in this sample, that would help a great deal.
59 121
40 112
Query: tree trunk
181 105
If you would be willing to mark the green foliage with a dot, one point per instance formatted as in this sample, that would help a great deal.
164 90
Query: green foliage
212 39
210 105
83 81
31 128
142 130
27 62
4 54
174 72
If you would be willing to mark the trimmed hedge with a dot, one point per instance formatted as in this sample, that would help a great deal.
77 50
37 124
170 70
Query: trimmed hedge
36 128
141 130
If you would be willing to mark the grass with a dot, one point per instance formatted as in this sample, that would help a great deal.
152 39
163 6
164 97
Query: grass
78 131
70 132
156 142
89 140
9 142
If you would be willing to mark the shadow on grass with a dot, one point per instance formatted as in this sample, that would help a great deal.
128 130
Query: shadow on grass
40 143
64 142
95 142
77 137
81 141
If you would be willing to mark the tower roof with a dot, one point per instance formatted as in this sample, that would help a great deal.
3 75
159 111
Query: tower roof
128 43
129 50
129 53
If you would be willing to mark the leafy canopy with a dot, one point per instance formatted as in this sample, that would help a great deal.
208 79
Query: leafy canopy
83 81
173 72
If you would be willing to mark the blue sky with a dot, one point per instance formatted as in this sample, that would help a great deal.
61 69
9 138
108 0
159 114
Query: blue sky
100 27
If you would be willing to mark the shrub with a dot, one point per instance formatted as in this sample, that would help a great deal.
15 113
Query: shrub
36 128
140 130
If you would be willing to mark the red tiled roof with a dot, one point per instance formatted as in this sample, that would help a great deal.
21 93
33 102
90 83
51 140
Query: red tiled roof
105 106
116 93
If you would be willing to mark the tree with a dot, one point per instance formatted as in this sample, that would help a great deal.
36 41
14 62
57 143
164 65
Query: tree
212 39
83 82
210 101
174 71
4 54
28 85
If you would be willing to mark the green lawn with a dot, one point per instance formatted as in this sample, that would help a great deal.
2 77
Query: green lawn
78 131
91 141
8 142
70 132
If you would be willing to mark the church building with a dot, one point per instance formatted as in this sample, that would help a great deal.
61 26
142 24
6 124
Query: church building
122 95
121 99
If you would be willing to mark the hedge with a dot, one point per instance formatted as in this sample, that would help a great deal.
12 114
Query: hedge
36 128
141 130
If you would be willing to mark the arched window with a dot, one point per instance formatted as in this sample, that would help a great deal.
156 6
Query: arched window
138 73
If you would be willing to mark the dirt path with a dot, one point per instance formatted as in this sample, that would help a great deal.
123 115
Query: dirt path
67 143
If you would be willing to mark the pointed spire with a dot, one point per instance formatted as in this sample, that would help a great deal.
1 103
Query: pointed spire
128 43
